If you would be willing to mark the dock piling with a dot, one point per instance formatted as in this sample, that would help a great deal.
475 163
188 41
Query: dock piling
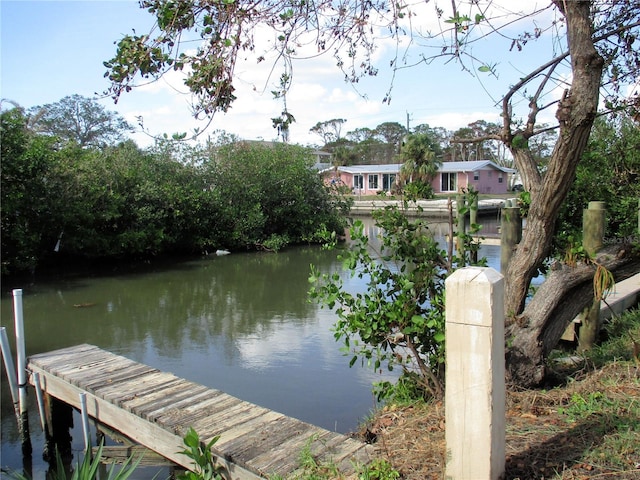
85 421
9 368
23 420
40 397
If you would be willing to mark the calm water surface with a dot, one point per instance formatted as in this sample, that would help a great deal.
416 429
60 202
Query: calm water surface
239 323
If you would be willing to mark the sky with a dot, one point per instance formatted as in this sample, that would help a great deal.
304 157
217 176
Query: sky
52 49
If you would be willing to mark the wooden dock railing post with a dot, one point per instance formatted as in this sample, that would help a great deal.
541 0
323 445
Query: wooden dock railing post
475 374
510 233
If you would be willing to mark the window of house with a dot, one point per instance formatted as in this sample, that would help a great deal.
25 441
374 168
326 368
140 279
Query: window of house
373 182
500 177
476 176
448 182
358 182
388 179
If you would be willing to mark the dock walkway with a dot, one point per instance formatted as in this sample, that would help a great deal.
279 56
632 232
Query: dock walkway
155 409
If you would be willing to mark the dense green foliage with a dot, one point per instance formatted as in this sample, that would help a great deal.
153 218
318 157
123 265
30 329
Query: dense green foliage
269 195
608 172
64 201
26 214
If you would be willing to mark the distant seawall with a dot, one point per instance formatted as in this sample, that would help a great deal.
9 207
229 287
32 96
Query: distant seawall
428 208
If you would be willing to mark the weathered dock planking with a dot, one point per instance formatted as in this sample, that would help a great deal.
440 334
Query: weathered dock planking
155 409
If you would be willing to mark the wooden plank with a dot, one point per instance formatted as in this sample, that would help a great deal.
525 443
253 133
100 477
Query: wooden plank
206 415
132 386
93 382
155 412
285 458
69 362
75 373
165 392
45 358
222 402
243 448
247 427
144 456
64 355
233 418
180 420
355 452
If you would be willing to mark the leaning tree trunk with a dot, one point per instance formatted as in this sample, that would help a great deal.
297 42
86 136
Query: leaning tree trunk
576 113
563 295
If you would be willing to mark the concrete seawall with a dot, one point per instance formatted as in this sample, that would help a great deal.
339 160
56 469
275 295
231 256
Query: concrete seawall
428 208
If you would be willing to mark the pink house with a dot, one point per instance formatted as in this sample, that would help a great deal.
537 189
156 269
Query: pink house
484 175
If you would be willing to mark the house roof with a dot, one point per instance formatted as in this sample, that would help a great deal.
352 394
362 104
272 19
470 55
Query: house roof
446 167
472 166
360 169
322 167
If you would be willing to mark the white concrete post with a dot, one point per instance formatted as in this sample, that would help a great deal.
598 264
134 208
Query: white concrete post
475 375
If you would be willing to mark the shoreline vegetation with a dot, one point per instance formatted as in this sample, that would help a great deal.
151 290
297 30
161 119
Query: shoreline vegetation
584 425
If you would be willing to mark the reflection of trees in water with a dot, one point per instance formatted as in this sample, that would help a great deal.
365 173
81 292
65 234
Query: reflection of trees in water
219 299
200 303
185 305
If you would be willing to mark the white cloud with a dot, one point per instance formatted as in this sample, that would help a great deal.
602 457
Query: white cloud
439 94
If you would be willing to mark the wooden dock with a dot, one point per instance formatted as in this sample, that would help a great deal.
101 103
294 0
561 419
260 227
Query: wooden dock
155 409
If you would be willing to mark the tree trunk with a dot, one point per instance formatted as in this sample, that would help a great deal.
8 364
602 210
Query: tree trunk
564 294
576 113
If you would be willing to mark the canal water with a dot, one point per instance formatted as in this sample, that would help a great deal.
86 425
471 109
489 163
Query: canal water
240 323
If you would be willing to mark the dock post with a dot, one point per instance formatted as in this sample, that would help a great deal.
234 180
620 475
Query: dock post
461 205
510 233
85 422
473 219
475 398
41 408
23 420
473 210
59 441
593 225
10 369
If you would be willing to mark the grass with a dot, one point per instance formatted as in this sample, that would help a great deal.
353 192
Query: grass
586 427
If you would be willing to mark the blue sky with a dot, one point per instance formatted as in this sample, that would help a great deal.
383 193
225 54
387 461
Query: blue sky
51 49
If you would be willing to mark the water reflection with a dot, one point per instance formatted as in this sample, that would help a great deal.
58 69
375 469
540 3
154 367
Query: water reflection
240 323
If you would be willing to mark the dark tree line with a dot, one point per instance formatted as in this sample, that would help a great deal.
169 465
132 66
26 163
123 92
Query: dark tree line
67 200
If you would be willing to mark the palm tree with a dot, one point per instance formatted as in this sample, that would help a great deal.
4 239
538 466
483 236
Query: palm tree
420 165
